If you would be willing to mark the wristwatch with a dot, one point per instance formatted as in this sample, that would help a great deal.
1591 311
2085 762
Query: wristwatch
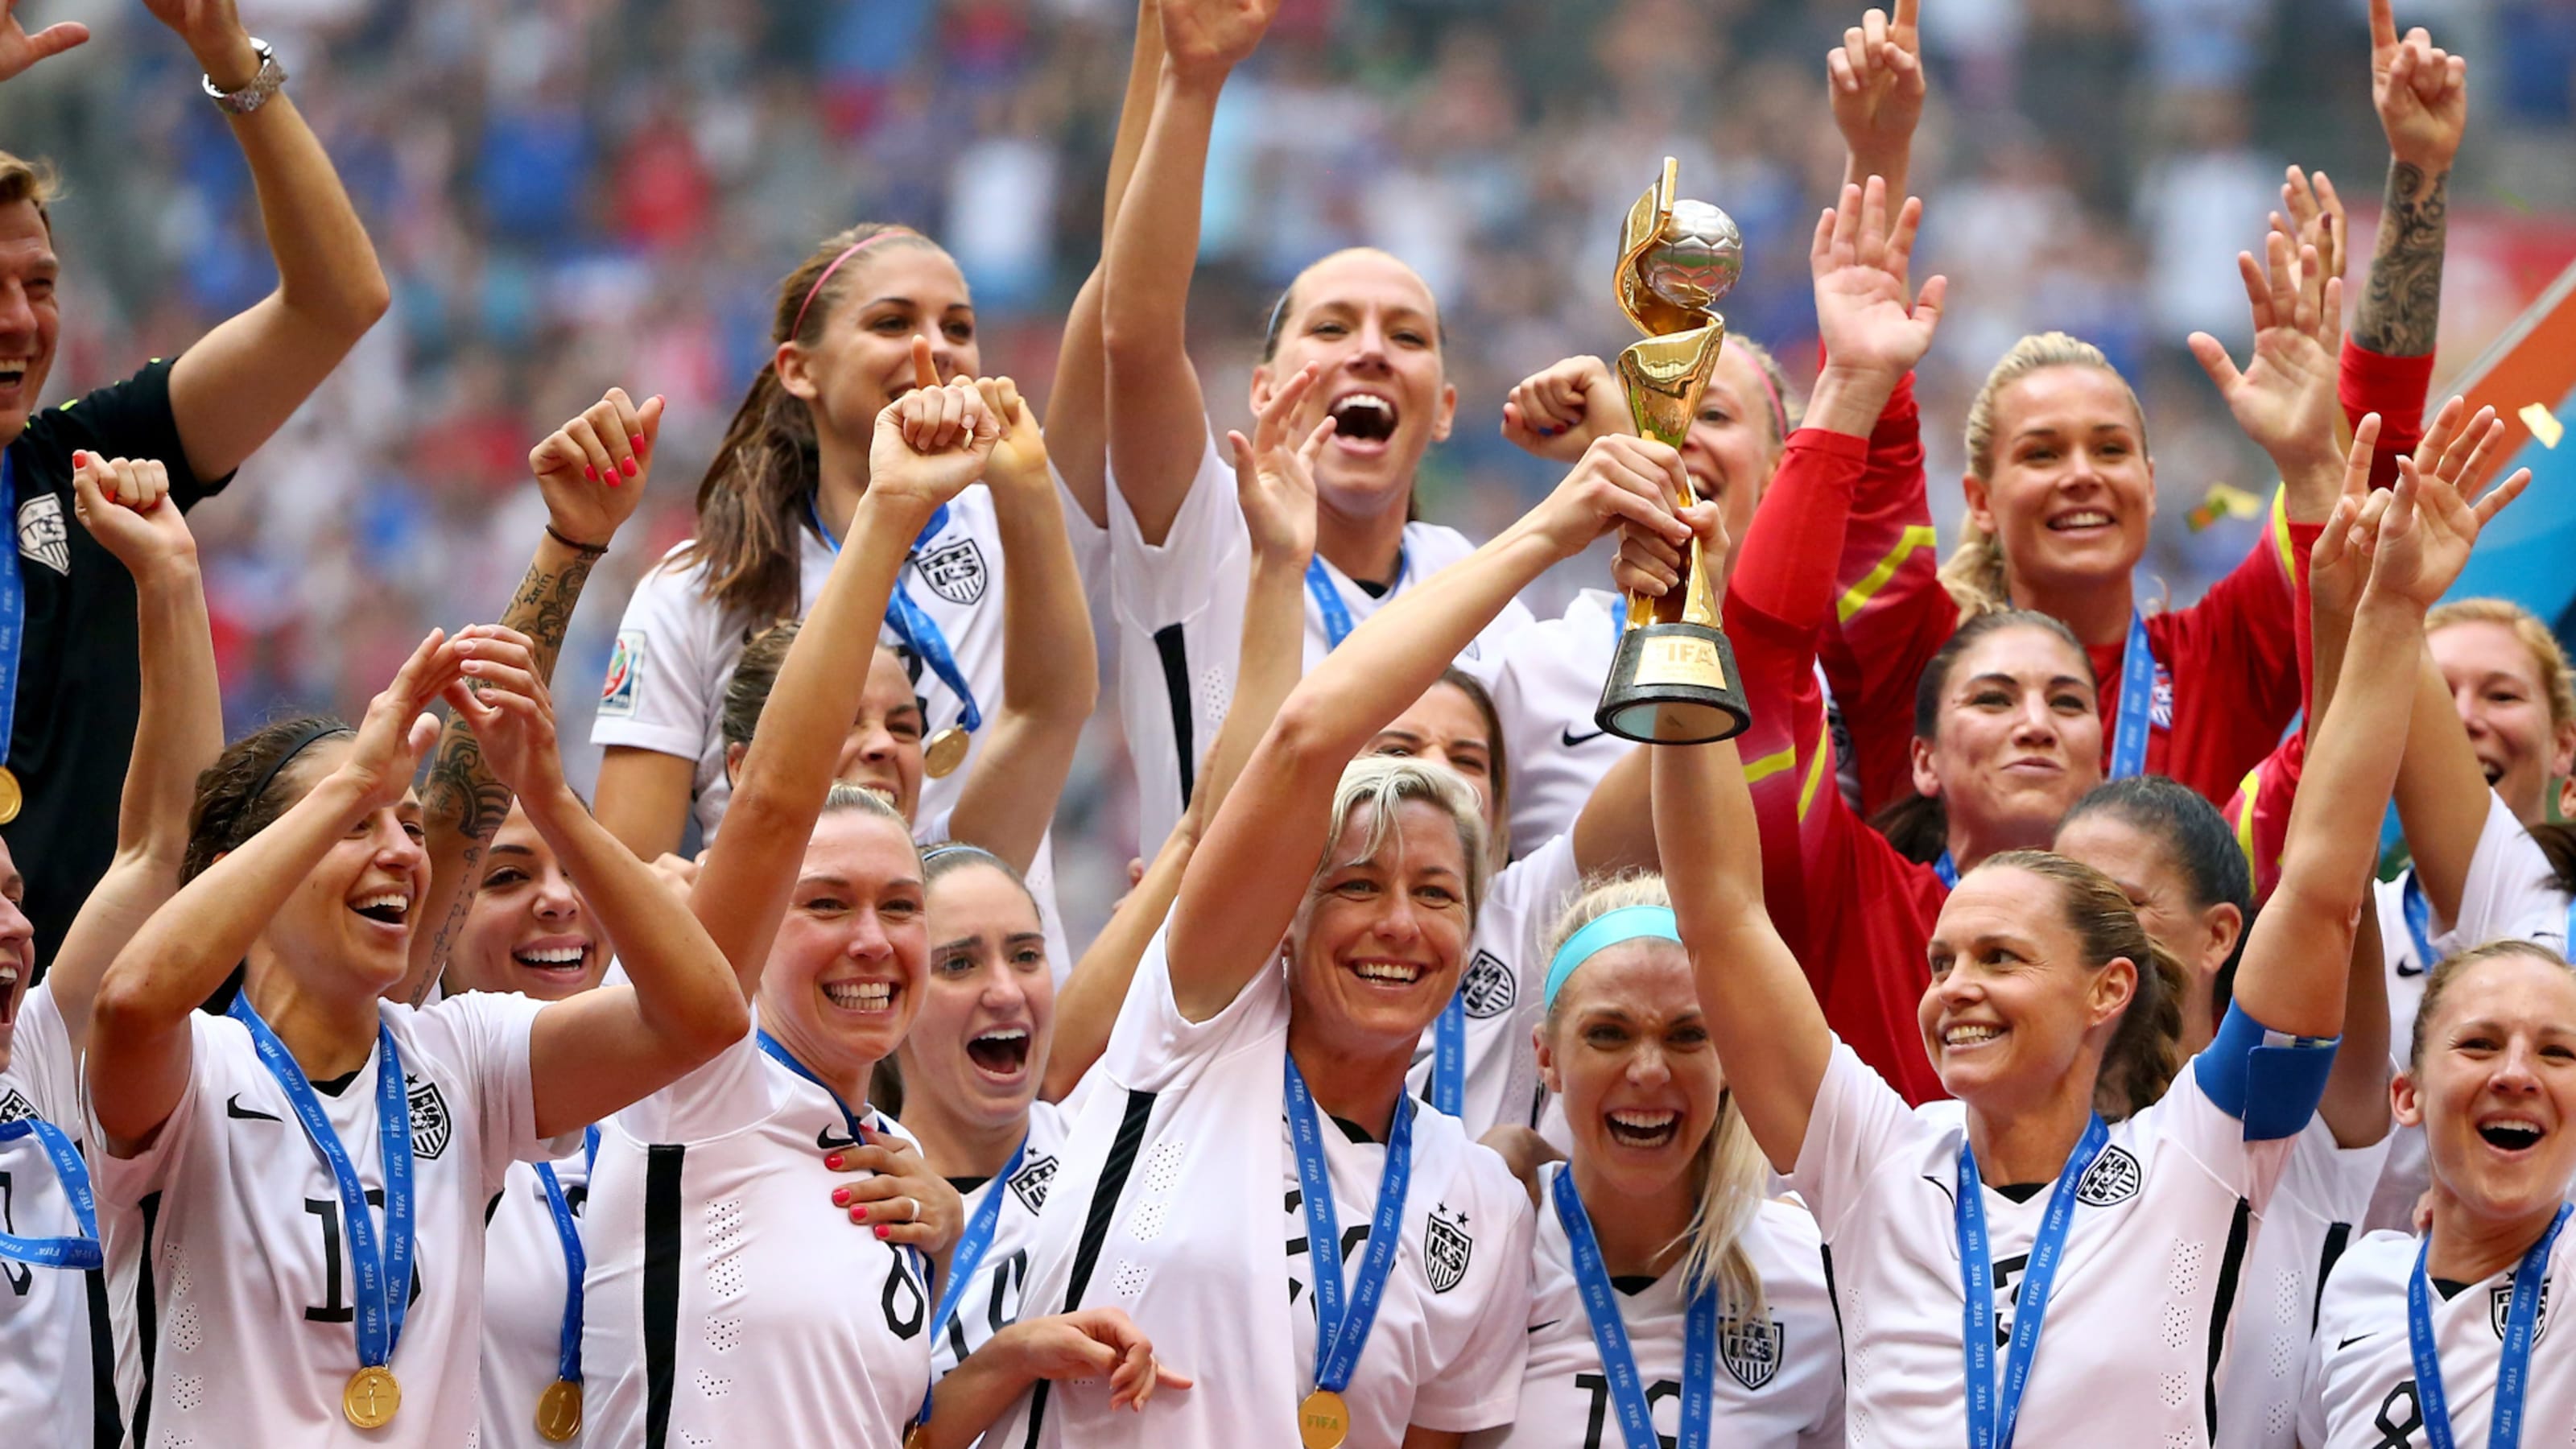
254 93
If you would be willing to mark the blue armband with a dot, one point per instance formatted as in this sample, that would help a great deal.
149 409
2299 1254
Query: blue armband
2268 1080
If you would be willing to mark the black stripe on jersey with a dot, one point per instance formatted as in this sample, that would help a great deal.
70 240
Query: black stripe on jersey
1095 1224
1173 650
2338 1238
1825 1251
147 1316
661 1287
107 1427
2239 1233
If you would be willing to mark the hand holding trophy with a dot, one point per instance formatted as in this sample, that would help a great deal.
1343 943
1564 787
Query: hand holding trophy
1676 258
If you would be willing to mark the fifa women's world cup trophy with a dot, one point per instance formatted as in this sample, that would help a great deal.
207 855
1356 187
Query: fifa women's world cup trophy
1676 258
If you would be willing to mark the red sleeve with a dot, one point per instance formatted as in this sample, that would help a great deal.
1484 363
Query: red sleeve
1785 565
2259 812
2394 388
2234 659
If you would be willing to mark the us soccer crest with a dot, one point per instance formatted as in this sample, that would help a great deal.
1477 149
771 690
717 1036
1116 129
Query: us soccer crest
1446 1249
954 571
1751 1349
2499 1298
16 1108
2114 1177
1487 987
1030 1186
41 535
430 1124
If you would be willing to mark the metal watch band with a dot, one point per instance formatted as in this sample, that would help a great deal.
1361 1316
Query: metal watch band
266 82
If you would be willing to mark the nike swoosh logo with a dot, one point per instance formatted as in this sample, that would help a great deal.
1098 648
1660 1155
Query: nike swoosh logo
1570 739
234 1109
831 1141
2405 970
2349 1342
1536 1328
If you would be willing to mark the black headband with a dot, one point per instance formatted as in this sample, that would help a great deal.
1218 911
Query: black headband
304 737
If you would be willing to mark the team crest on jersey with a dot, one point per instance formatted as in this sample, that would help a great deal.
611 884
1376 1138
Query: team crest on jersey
1487 987
2499 1298
2113 1178
1751 1349
1446 1249
954 571
430 1124
1030 1186
41 535
625 671
16 1108
2160 703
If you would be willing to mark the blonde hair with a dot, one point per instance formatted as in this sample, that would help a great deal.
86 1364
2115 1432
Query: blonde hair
1729 1169
2548 659
848 799
33 181
1786 407
2145 1050
1385 782
1974 572
2438 981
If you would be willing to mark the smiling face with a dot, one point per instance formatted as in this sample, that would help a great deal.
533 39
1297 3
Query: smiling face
2072 493
2020 738
882 752
1445 726
1628 1053
528 930
17 951
1376 948
2494 1087
988 1007
1372 329
30 320
844 978
1731 451
352 917
2497 687
899 288
2013 1007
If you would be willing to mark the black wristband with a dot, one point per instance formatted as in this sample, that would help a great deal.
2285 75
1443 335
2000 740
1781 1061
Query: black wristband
586 550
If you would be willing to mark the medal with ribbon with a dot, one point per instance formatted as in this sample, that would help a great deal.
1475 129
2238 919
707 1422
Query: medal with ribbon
1342 1326
1993 1408
972 1245
2513 1364
945 750
559 1407
13 636
1610 1336
79 1253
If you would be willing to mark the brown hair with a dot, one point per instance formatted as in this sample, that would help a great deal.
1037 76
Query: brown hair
751 501
1496 760
1974 572
244 791
33 181
1919 825
2146 1047
2437 984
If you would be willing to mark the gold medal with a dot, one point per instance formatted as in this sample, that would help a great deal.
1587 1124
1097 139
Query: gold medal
371 1397
1323 1421
559 1411
11 797
940 756
916 1436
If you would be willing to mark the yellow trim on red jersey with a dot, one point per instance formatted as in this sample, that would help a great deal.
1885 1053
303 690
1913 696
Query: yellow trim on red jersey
1857 597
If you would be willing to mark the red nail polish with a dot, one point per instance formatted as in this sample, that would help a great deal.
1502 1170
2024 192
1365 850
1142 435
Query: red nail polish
627 466
859 1214
638 441
590 471
833 1162
885 1232
840 1197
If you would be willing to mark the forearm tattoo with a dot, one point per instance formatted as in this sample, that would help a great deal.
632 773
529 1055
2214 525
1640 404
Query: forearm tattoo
2401 309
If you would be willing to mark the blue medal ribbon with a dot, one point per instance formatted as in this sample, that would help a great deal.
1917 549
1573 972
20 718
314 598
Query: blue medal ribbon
1449 1056
576 1262
1994 1408
13 605
2137 702
383 1276
1948 870
912 624
1328 602
1610 1336
972 1245
2513 1368
79 1253
1342 1331
2419 921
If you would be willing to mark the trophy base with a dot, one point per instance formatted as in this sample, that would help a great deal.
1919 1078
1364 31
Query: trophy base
1680 677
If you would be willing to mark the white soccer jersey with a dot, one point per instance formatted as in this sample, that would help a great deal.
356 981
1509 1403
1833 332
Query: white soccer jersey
2315 1215
991 1300
2511 893
729 1303
1179 607
2361 1367
58 1355
1505 979
1781 1379
1178 1201
2160 1227
523 1300
235 1225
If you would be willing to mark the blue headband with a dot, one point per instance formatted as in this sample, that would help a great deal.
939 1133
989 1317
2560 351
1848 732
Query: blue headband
1628 923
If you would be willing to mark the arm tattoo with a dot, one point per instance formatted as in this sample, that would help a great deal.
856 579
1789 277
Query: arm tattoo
445 942
2401 309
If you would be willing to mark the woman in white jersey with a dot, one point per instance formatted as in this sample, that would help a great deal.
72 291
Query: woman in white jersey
246 1153
2444 1339
1667 1295
61 1345
1308 990
2035 964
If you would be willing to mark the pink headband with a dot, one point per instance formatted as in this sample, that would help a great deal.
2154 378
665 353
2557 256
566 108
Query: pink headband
1770 389
852 250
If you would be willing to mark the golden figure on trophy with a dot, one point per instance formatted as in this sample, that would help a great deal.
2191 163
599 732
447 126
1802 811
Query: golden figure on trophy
1676 258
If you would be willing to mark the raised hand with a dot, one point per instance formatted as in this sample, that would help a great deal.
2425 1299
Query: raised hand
2420 90
1274 475
933 441
1556 412
2315 217
2431 525
1091 1343
1205 39
1860 261
1875 85
592 470
2285 398
212 31
397 729
2337 569
502 697
1622 479
1019 460
1649 563
19 50
125 504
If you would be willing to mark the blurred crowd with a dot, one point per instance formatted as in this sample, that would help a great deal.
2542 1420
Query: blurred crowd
569 193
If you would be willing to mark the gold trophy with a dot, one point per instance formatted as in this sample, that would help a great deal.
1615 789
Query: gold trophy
1676 258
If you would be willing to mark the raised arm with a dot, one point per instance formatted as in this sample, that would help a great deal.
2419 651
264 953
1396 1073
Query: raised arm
238 384
19 50
928 446
1875 87
178 733
1157 413
1275 479
1252 868
1050 668
2284 399
592 472
2422 96
139 1056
